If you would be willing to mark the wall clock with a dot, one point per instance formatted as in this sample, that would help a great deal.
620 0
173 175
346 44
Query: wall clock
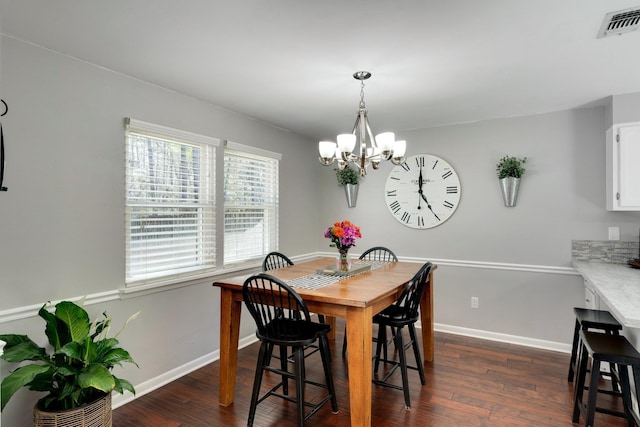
423 191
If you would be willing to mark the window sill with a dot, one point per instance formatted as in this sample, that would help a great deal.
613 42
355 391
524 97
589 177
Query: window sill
133 291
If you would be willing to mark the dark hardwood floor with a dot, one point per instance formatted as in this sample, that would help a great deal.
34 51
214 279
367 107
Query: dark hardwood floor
472 382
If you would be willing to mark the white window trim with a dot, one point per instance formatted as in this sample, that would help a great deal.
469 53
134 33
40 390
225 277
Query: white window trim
133 125
252 150
164 131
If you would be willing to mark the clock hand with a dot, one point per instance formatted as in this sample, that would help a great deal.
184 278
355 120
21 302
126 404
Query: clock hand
429 206
420 196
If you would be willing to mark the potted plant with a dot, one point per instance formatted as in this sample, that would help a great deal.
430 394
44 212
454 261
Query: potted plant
349 178
75 373
510 170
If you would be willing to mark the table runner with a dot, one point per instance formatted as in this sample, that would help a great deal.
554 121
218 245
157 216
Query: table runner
320 280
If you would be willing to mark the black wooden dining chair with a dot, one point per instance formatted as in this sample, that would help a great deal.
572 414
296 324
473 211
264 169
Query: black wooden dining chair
401 315
376 253
275 260
283 320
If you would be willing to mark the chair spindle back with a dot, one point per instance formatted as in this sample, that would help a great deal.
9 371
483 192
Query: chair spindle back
409 300
379 253
275 260
277 309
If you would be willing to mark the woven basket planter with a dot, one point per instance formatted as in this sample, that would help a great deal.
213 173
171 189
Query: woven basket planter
96 414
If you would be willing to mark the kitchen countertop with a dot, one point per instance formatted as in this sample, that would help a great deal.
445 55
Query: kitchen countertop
618 286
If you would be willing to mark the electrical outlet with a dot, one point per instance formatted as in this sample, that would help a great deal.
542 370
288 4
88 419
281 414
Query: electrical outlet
614 233
474 302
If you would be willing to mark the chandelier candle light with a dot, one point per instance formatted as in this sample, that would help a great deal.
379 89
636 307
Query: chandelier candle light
372 150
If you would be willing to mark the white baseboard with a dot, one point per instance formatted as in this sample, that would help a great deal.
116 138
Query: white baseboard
511 339
148 386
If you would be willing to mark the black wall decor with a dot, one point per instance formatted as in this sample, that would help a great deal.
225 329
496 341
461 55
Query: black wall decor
2 158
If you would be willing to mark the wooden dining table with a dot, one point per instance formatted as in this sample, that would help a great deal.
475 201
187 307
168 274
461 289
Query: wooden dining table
356 298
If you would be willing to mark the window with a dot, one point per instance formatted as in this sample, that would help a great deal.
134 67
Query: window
250 203
170 204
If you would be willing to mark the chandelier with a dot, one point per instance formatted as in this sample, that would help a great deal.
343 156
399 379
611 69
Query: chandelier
371 150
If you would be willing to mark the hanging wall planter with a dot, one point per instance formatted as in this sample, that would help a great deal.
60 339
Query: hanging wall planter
510 171
351 192
509 188
348 178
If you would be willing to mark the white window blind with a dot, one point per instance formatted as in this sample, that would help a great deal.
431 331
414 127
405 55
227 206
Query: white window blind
250 203
170 203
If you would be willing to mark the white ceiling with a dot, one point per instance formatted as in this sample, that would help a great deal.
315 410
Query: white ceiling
290 62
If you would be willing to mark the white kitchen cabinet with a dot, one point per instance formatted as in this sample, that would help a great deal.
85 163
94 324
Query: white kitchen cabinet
591 300
623 173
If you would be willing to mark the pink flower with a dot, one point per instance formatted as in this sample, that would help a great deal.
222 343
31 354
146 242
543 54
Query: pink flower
343 234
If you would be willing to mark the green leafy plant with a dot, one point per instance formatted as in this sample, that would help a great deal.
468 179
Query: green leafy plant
77 371
510 167
347 176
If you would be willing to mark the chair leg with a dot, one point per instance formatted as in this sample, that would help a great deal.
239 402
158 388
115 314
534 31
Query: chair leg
416 353
257 382
344 343
403 368
574 351
593 393
614 380
299 358
269 353
324 355
385 347
636 381
283 366
623 371
380 342
393 334
579 384
385 350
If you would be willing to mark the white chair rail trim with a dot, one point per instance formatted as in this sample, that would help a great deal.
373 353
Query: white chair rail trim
28 311
25 312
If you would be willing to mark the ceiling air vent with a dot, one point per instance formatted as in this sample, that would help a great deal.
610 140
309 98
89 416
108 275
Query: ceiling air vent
623 21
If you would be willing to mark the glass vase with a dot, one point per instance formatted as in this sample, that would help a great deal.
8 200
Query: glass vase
343 261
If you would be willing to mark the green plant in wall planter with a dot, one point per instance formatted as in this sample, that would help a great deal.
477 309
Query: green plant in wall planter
77 369
349 178
510 170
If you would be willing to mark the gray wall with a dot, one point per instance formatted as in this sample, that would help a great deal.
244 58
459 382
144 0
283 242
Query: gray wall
62 236
516 260
62 220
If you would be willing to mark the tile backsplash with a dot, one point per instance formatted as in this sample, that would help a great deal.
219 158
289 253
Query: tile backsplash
609 251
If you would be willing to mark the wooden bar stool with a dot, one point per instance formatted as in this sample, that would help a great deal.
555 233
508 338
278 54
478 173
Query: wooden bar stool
619 353
587 319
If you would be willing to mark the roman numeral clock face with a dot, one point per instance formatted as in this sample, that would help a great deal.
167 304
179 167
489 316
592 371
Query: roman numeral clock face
423 192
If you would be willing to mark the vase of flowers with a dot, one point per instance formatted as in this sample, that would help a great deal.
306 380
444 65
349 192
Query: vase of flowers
343 236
